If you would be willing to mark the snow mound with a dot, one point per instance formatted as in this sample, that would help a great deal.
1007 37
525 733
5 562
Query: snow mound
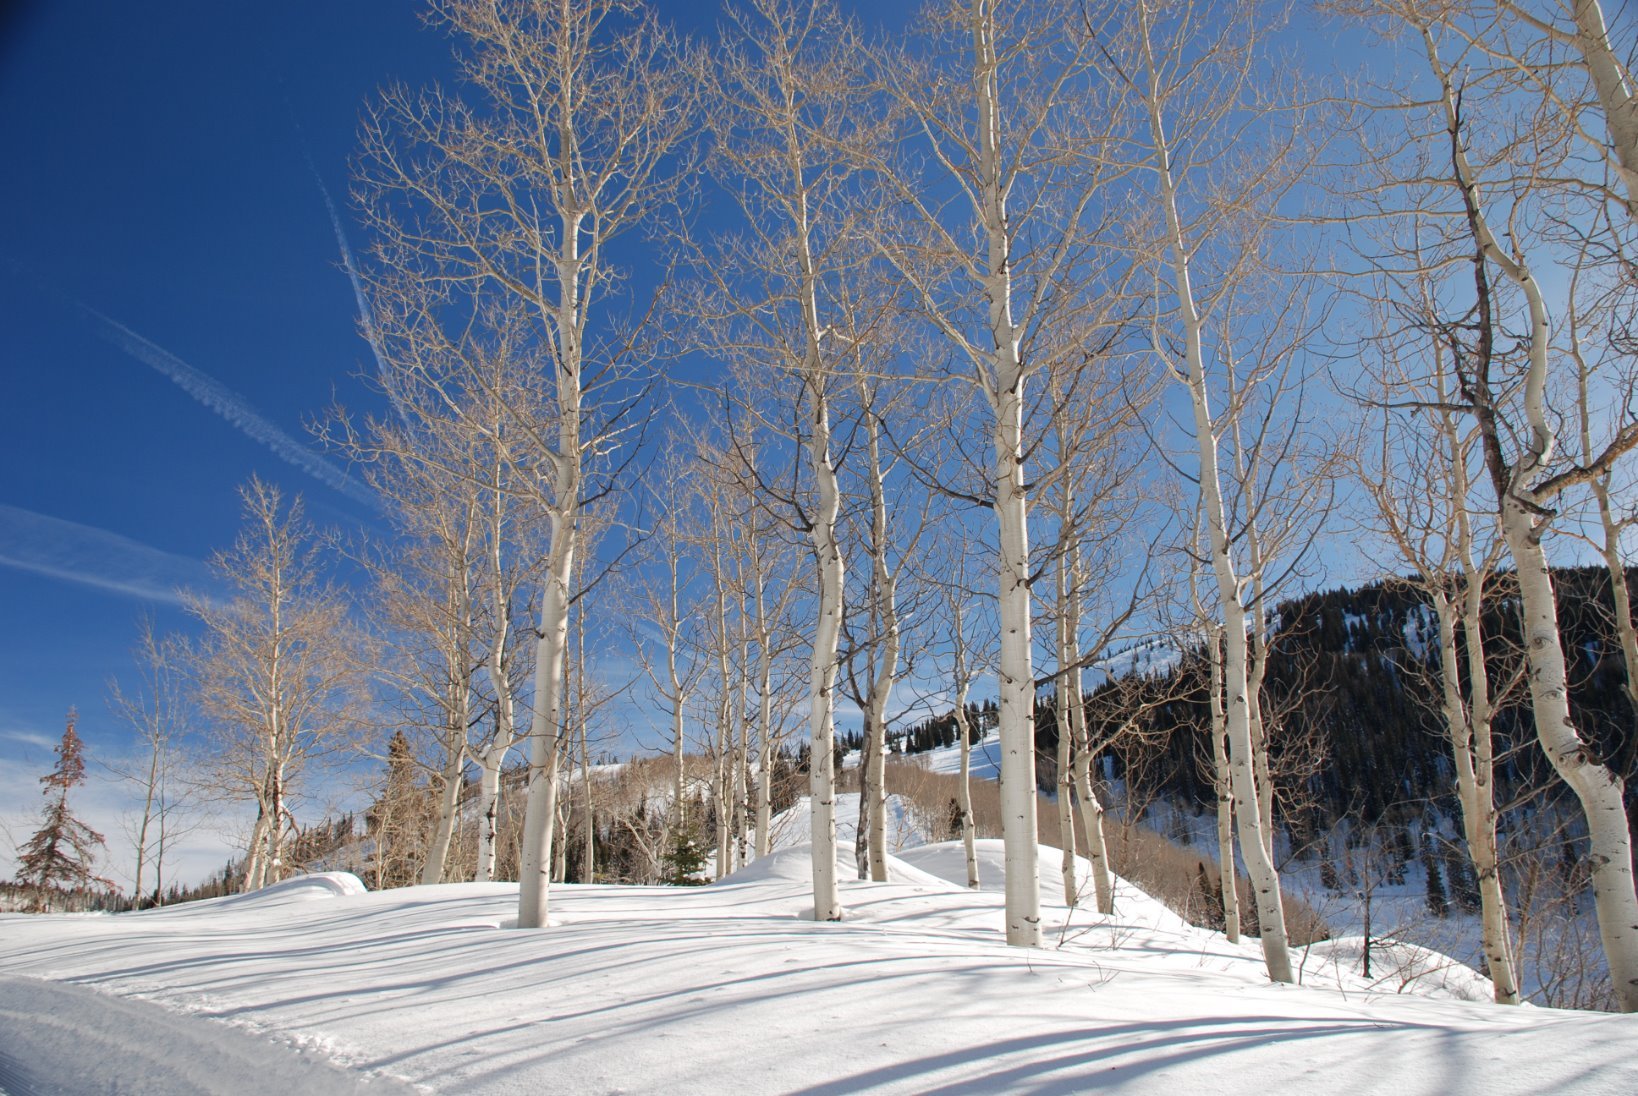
794 864
1398 968
316 887
948 860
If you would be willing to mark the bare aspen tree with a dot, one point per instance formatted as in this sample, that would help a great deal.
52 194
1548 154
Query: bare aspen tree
424 607
950 574
785 110
449 595
1204 100
1594 356
1564 52
1000 112
277 672
156 710
1491 196
664 613
892 520
517 198
1422 484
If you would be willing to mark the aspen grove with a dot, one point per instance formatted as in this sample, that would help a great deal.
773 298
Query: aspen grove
762 409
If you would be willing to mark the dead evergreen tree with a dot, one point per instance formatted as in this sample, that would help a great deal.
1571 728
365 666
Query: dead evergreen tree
62 852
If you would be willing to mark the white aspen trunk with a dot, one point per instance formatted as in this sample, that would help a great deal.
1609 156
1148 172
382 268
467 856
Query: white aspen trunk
827 899
589 852
827 556
964 791
1254 689
1005 390
764 757
720 794
678 744
1469 724
147 817
493 757
1620 591
489 788
884 598
560 839
540 809
861 825
449 799
1067 653
1227 878
1092 812
1615 97
1478 812
275 845
742 761
1253 842
1599 790
255 852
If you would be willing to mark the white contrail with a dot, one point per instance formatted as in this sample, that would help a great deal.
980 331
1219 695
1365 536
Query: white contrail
95 557
230 405
358 286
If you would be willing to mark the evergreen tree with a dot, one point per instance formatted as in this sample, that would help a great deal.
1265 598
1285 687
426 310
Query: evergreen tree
400 820
58 857
684 857
1438 904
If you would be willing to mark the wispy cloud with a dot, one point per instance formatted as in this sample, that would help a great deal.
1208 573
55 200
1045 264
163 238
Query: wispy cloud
30 738
229 404
94 557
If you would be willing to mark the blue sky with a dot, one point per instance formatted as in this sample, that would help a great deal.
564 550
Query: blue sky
175 311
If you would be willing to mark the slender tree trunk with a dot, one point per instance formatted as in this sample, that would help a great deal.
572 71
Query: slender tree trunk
964 791
1005 390
540 810
449 800
1068 651
827 553
1473 791
489 790
1598 788
1227 877
1615 96
1254 847
1092 812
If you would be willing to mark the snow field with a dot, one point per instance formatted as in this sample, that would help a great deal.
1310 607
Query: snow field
729 988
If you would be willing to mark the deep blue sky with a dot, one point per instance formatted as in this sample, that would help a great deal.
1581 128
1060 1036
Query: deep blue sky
156 172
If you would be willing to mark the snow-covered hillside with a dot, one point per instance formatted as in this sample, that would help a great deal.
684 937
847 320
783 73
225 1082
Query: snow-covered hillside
729 988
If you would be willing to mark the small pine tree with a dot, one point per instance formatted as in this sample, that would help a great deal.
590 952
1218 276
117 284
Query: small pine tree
1464 884
400 819
1211 898
58 857
684 857
1438 904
